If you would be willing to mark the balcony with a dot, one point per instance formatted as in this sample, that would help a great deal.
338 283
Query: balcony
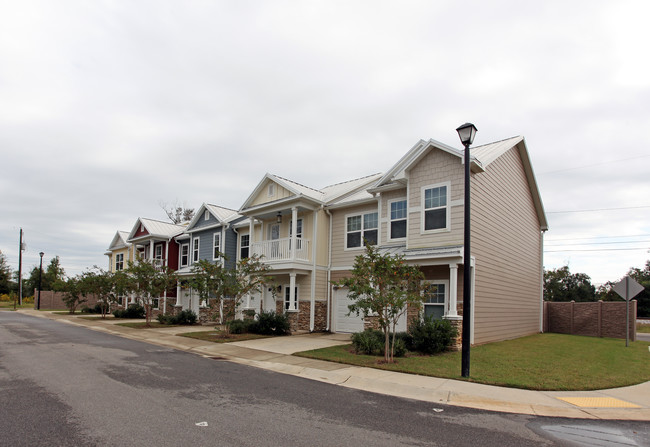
279 250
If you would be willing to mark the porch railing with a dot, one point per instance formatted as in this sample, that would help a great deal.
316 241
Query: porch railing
281 250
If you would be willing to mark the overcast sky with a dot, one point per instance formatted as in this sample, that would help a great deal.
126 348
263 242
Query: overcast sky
108 108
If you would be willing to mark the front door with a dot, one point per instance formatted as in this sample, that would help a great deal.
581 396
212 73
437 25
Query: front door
274 234
269 300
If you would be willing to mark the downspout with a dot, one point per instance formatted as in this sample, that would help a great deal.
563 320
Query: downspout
312 310
329 271
541 267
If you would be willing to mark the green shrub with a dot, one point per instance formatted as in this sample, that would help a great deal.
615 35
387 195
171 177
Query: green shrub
185 317
132 311
270 323
429 336
240 326
369 342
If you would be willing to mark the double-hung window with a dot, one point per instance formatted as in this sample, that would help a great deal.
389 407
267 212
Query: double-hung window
195 250
119 261
435 293
298 232
185 255
216 246
398 212
435 207
360 228
288 305
244 243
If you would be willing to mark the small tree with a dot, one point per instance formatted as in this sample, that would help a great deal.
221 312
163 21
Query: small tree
177 213
383 286
149 281
209 280
251 275
100 283
73 292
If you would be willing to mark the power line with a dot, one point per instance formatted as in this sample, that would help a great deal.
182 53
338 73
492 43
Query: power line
596 243
593 165
599 209
595 237
599 249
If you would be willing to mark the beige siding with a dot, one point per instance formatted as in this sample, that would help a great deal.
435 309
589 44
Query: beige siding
127 257
340 256
434 168
321 285
506 242
263 195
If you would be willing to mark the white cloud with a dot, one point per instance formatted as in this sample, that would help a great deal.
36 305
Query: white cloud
109 108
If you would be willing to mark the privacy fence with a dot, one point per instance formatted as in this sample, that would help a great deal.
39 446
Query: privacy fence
595 319
54 300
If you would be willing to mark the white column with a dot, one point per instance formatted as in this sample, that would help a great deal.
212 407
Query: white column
293 304
251 227
178 293
453 290
151 244
294 230
166 260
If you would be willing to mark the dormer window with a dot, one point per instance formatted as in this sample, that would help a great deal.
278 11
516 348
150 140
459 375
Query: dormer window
271 189
206 215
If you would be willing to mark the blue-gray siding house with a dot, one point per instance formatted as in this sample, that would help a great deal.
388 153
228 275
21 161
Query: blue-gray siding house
209 236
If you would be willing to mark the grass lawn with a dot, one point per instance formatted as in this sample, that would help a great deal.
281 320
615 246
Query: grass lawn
9 305
143 325
219 336
537 362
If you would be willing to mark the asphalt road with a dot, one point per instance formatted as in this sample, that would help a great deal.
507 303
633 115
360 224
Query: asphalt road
62 385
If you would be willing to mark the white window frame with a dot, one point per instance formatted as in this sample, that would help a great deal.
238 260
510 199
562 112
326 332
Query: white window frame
447 208
155 303
119 261
216 246
157 252
241 244
363 230
271 190
196 244
206 215
445 304
390 219
187 260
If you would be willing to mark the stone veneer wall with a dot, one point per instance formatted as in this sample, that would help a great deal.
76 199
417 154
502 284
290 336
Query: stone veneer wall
299 321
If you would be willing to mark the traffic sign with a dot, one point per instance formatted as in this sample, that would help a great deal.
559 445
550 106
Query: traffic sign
628 288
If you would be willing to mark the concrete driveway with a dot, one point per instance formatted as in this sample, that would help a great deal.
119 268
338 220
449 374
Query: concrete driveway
295 343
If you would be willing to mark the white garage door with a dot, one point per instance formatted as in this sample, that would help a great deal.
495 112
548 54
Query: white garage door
345 322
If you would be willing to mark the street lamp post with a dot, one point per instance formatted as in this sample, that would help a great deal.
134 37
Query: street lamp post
40 278
466 132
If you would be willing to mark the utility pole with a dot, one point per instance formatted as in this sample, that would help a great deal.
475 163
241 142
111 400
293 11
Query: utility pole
20 269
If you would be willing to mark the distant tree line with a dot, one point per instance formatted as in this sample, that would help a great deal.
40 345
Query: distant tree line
562 285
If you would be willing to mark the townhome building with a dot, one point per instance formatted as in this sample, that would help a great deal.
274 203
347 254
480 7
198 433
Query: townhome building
289 226
416 210
209 236
153 240
119 254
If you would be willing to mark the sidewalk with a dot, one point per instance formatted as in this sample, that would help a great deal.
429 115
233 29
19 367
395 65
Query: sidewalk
629 403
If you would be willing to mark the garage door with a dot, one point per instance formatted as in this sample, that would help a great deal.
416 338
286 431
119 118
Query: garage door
345 322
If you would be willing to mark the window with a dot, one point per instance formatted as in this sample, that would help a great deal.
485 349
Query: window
155 303
119 261
271 189
206 215
398 212
195 250
287 301
158 252
435 208
435 294
360 228
298 225
216 246
185 255
244 242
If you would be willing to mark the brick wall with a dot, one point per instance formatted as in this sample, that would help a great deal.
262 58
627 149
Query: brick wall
54 300
594 319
